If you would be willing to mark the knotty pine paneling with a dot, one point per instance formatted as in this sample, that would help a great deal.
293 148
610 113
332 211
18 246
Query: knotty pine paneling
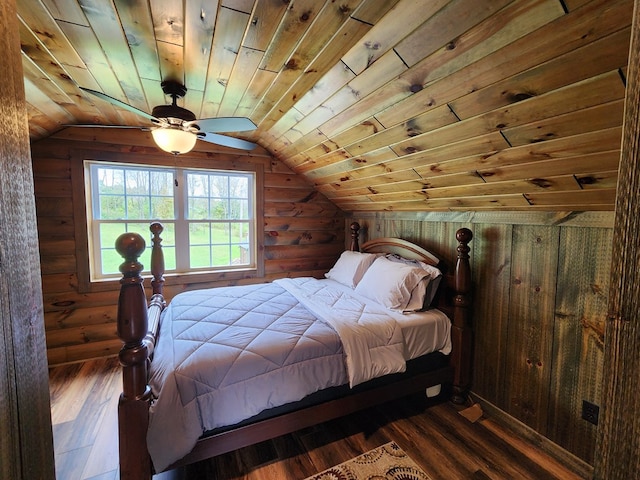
406 98
491 271
540 301
529 339
303 234
584 267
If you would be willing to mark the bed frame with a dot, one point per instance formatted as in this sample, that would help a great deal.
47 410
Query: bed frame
138 322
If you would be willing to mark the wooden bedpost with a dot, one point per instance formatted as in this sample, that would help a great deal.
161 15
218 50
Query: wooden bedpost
355 233
133 407
461 334
157 303
157 258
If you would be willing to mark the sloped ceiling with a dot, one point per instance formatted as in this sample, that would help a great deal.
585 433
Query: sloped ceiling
381 104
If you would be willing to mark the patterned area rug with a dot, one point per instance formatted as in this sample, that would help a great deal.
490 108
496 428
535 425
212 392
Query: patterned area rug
385 462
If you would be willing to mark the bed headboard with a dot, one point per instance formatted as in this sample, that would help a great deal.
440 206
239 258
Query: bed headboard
400 247
453 297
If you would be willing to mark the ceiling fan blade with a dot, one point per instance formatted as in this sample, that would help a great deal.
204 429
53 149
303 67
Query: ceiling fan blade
226 141
95 125
120 104
224 124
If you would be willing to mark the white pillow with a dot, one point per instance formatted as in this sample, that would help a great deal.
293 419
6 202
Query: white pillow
425 291
350 267
390 283
418 294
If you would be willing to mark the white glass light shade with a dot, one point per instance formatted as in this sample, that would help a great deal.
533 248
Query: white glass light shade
174 140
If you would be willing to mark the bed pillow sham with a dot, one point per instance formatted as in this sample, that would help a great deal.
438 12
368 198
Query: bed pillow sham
390 283
422 296
350 267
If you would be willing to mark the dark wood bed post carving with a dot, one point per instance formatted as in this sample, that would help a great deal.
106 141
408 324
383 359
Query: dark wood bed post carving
156 303
133 407
355 233
461 334
157 258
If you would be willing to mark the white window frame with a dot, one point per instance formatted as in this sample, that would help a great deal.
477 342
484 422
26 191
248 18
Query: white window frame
180 222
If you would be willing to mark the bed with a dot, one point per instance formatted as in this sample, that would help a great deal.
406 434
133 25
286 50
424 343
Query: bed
284 355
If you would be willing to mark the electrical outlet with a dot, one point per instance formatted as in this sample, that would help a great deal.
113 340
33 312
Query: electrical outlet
590 412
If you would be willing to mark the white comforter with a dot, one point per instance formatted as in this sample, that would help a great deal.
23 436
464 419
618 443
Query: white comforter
370 336
226 354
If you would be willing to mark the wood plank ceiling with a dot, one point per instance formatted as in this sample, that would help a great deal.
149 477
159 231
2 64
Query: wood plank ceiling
381 104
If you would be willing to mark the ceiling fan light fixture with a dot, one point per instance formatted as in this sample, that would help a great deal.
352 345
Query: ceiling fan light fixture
176 129
174 140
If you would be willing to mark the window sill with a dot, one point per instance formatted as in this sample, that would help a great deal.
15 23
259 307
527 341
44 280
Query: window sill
187 280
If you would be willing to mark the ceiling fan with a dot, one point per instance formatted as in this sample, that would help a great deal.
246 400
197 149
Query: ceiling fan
176 129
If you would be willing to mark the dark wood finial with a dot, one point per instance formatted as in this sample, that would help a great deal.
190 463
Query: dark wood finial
464 235
130 246
355 233
463 269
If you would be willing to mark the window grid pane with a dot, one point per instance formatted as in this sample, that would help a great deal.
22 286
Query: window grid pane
227 209
126 194
214 244
110 259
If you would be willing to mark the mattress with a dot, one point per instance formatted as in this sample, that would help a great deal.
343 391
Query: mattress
226 354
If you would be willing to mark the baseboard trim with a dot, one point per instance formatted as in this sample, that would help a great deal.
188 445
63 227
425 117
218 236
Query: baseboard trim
568 459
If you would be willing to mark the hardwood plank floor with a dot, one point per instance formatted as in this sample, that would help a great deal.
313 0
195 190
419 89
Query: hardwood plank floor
447 446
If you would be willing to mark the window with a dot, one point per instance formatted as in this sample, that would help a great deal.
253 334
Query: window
208 216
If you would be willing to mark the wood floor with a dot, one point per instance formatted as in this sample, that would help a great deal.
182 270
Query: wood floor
445 444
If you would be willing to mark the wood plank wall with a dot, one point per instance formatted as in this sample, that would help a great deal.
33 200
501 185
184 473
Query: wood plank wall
303 235
541 284
26 441
618 447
